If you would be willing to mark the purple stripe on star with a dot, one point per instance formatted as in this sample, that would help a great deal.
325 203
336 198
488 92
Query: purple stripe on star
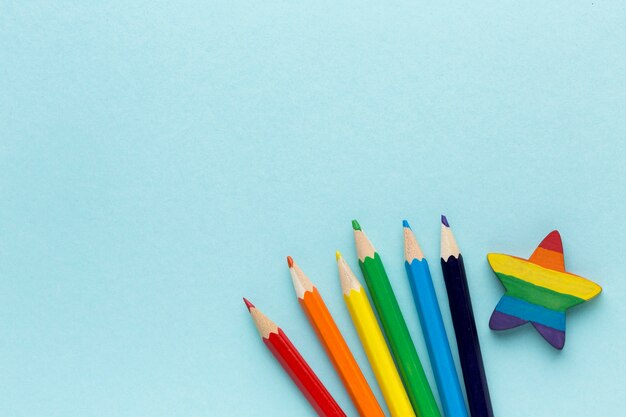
501 321
555 337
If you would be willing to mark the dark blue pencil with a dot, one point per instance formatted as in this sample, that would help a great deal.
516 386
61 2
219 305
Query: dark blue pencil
464 325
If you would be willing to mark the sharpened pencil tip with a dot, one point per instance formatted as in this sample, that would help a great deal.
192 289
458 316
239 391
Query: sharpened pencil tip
248 303
444 221
337 255
356 225
290 261
405 224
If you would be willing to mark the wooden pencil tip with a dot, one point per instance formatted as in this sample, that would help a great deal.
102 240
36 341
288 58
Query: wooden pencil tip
405 224
337 255
348 281
356 225
412 249
444 221
290 261
449 246
248 303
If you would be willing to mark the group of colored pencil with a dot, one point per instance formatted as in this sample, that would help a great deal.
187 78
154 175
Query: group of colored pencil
390 350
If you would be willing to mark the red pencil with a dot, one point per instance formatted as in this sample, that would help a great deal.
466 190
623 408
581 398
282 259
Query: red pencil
295 365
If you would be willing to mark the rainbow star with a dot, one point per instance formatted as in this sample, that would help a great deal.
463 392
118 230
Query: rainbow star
538 290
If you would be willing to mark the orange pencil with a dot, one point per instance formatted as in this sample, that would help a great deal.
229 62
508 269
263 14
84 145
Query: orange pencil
334 344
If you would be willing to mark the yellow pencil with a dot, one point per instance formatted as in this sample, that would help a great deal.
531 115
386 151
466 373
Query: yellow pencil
374 343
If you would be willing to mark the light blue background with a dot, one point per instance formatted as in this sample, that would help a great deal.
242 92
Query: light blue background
158 160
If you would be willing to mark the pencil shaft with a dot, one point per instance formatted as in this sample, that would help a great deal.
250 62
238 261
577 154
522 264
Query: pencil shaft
302 375
402 346
340 355
466 337
450 393
378 354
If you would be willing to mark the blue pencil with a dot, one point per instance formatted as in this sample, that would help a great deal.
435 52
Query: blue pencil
432 325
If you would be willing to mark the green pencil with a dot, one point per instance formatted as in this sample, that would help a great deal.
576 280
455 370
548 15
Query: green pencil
395 328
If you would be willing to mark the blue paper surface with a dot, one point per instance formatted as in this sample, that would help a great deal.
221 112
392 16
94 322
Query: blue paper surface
158 161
